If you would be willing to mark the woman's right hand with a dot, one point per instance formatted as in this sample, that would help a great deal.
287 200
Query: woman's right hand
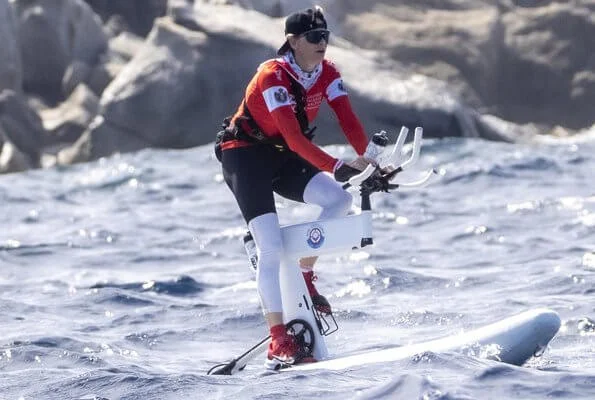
344 172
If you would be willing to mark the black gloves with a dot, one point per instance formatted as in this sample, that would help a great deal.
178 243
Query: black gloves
344 172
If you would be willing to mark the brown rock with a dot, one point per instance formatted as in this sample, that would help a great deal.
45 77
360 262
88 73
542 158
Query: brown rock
66 123
21 124
12 159
53 34
11 76
138 15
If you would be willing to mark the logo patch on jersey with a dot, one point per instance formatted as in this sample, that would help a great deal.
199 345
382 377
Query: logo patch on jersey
315 236
278 74
275 97
336 89
281 95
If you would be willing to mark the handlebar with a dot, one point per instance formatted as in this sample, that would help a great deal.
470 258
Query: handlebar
377 179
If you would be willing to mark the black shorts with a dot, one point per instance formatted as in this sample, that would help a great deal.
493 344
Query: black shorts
254 172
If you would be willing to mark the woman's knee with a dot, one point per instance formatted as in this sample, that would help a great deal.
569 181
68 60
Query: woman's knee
339 204
325 192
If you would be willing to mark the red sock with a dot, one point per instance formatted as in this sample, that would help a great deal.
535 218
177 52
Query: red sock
278 330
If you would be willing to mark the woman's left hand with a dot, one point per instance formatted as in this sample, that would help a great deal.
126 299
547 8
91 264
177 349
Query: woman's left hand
359 163
362 163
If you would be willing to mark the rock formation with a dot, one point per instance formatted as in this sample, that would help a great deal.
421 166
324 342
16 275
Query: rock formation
81 80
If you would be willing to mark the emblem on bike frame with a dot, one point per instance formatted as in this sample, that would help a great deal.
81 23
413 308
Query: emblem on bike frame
315 237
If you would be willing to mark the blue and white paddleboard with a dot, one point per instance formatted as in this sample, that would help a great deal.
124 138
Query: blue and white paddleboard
513 340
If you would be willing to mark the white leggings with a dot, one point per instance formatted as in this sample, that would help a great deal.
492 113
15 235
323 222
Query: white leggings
321 190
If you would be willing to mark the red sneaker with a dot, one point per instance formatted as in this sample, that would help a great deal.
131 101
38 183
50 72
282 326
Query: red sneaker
283 350
282 347
320 302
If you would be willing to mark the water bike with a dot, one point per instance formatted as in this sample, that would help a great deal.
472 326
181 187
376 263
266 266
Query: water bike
513 340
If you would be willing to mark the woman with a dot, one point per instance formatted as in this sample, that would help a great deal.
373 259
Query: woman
267 148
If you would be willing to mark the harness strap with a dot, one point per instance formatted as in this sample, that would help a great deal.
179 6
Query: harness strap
254 134
300 107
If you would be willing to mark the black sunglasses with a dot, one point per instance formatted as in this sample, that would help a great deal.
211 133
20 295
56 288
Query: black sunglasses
315 37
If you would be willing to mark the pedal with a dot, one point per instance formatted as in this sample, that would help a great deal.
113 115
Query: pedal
276 364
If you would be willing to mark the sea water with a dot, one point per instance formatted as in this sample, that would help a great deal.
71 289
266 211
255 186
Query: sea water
126 278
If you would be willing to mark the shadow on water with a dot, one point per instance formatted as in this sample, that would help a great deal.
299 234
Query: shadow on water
182 286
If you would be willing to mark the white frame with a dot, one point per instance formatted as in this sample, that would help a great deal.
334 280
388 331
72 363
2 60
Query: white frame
337 235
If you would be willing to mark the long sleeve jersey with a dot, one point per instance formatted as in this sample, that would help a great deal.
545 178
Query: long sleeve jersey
271 104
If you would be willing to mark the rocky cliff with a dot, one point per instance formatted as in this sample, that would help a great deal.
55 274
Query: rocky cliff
81 80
